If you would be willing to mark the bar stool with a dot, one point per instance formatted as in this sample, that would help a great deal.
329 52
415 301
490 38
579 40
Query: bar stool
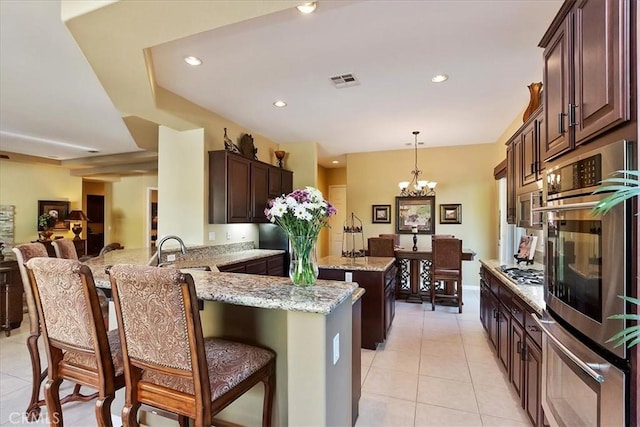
381 246
446 266
77 344
23 254
179 370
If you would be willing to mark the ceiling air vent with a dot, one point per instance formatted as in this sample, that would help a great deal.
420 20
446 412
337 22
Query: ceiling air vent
344 80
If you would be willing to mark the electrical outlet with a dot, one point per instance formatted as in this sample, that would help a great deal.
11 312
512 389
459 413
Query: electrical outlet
348 276
171 257
336 348
212 235
228 236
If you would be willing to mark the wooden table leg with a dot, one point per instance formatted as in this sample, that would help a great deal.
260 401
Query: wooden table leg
415 282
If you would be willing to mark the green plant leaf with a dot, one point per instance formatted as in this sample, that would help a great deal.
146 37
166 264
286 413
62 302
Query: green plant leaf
622 188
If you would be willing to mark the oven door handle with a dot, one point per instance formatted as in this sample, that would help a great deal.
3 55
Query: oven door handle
575 359
567 207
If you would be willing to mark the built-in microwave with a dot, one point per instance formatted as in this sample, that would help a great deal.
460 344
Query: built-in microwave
527 216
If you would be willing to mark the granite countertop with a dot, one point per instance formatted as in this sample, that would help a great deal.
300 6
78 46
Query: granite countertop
241 289
532 295
361 263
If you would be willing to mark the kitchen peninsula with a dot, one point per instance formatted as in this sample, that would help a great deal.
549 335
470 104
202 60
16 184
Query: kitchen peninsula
307 328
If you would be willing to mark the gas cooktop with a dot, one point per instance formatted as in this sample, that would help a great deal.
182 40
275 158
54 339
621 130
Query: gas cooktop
524 276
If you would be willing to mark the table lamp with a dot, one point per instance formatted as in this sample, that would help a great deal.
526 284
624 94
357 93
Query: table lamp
77 217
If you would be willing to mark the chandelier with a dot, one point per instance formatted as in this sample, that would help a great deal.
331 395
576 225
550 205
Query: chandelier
421 187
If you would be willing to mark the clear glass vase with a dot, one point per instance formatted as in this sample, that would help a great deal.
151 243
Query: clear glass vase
303 269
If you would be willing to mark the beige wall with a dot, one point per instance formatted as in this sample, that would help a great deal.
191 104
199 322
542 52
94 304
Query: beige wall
129 223
302 159
23 184
336 176
323 240
464 175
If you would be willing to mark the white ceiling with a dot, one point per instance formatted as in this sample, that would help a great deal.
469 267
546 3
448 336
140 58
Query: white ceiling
488 48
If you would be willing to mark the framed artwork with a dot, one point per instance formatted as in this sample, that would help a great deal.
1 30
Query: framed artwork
58 210
415 212
381 214
451 214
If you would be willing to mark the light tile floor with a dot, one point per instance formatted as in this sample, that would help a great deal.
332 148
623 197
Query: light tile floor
436 369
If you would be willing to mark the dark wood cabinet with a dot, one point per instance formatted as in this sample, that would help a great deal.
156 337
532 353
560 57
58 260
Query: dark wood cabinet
516 339
586 71
268 266
377 314
532 370
239 188
511 184
528 163
10 296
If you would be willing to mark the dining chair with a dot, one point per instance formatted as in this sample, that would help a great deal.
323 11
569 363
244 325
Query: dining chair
23 254
446 266
380 246
76 342
395 237
66 249
178 370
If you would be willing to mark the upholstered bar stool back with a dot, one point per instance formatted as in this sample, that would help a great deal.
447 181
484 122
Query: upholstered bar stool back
379 246
395 237
168 363
64 248
446 266
76 341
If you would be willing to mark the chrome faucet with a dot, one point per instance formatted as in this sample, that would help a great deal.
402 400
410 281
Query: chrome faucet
183 248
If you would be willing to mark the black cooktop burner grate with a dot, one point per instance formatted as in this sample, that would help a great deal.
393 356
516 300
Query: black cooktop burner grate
524 276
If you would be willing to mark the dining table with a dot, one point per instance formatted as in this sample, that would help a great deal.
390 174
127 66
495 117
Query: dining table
414 273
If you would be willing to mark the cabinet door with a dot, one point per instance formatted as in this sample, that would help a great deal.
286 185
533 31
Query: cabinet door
533 382
503 321
259 191
541 143
275 182
275 266
601 66
233 268
517 351
511 184
287 182
258 266
556 93
528 151
238 189
493 321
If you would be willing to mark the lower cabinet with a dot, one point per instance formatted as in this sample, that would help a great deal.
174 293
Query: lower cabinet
378 302
268 266
10 296
516 340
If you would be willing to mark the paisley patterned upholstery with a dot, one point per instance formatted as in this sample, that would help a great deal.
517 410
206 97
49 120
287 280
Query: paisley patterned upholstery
154 319
89 360
229 363
65 248
23 254
158 312
63 302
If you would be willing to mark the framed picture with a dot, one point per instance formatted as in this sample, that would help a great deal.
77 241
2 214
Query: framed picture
381 214
415 213
58 210
451 214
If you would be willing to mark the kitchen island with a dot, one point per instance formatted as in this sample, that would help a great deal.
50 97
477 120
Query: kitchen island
377 275
310 329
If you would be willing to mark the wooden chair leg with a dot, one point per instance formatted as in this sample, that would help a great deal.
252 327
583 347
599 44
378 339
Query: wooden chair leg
183 421
459 283
103 410
52 397
433 295
33 410
269 391
130 416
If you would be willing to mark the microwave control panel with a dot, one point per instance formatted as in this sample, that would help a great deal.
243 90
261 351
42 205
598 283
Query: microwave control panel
581 174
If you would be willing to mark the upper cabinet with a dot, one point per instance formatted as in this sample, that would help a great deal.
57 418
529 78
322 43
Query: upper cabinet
586 73
239 188
529 157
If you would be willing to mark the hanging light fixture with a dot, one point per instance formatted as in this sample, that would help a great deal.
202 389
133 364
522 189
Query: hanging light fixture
421 187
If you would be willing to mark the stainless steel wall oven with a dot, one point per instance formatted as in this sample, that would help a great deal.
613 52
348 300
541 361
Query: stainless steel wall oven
587 269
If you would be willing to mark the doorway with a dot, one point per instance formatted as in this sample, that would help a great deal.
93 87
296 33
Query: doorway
338 198
152 216
95 225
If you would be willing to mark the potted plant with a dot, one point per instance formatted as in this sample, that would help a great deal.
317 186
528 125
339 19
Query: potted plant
624 186
46 222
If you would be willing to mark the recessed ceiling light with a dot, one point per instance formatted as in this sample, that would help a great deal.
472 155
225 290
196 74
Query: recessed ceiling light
439 78
192 60
280 104
308 7
92 151
335 162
